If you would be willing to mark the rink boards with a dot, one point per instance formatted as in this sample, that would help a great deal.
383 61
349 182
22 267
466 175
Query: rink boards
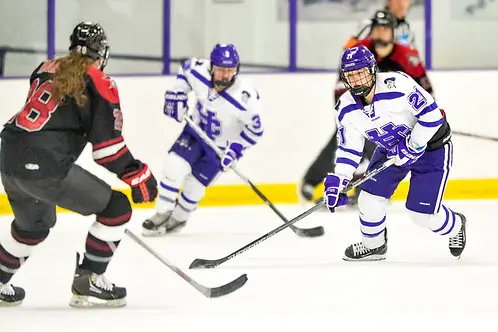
298 120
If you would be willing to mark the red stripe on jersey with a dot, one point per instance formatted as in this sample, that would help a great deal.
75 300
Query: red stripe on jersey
113 157
108 143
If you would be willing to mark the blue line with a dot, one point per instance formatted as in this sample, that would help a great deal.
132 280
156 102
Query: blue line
166 36
292 35
51 29
428 33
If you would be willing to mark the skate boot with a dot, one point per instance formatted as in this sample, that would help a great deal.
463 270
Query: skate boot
175 225
155 225
457 243
91 290
11 296
160 224
358 252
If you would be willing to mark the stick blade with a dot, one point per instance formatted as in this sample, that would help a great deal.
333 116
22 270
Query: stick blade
309 232
200 263
228 288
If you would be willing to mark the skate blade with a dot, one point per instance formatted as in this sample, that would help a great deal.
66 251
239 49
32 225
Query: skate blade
372 258
90 302
160 231
4 304
153 232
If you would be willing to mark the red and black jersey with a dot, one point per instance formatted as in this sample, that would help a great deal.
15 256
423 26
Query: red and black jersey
402 58
46 137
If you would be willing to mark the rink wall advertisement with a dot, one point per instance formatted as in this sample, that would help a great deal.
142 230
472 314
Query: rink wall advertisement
298 118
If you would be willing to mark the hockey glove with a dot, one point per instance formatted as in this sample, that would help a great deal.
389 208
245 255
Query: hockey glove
333 197
232 154
142 182
405 152
176 104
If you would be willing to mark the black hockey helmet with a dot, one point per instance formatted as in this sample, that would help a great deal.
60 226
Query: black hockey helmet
384 18
89 39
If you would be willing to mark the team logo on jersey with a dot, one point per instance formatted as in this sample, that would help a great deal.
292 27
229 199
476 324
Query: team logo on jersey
118 119
390 82
245 96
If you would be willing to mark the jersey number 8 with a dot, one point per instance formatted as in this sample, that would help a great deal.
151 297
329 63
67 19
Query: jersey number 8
38 108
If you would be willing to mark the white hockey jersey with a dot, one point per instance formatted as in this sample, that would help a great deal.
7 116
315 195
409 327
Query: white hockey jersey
400 108
231 115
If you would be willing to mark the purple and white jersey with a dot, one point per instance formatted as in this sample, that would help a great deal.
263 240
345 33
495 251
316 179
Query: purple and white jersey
231 115
400 107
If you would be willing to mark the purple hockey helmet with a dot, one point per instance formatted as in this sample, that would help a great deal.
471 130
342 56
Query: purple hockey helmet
224 56
358 60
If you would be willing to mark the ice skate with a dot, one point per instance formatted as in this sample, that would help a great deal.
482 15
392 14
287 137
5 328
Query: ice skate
155 225
11 296
91 290
160 224
457 243
358 252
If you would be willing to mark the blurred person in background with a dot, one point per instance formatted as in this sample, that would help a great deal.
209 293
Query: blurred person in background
391 56
402 32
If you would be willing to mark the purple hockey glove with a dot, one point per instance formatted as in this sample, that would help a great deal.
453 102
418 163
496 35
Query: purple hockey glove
405 153
232 154
175 104
334 184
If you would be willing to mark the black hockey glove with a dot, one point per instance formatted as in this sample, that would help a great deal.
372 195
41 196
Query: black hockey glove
142 182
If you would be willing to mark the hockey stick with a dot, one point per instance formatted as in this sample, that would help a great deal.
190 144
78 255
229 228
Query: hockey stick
494 139
304 232
206 291
207 263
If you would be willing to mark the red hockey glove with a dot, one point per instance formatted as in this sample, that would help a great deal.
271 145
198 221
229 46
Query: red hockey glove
142 182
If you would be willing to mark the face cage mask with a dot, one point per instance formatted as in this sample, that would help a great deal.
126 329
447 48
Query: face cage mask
362 90
223 84
103 60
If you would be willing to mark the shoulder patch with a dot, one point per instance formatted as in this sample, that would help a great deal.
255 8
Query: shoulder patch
105 85
245 96
390 82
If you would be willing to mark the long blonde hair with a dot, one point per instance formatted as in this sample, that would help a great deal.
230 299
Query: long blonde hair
69 78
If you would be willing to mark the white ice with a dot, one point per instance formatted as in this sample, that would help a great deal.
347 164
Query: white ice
295 284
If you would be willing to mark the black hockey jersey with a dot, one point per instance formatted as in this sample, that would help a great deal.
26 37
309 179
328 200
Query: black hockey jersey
45 137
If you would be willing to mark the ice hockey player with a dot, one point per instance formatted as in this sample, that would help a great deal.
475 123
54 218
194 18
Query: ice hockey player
391 57
70 102
228 110
398 115
403 34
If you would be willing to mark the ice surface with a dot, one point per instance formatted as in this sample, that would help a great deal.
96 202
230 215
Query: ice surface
295 284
